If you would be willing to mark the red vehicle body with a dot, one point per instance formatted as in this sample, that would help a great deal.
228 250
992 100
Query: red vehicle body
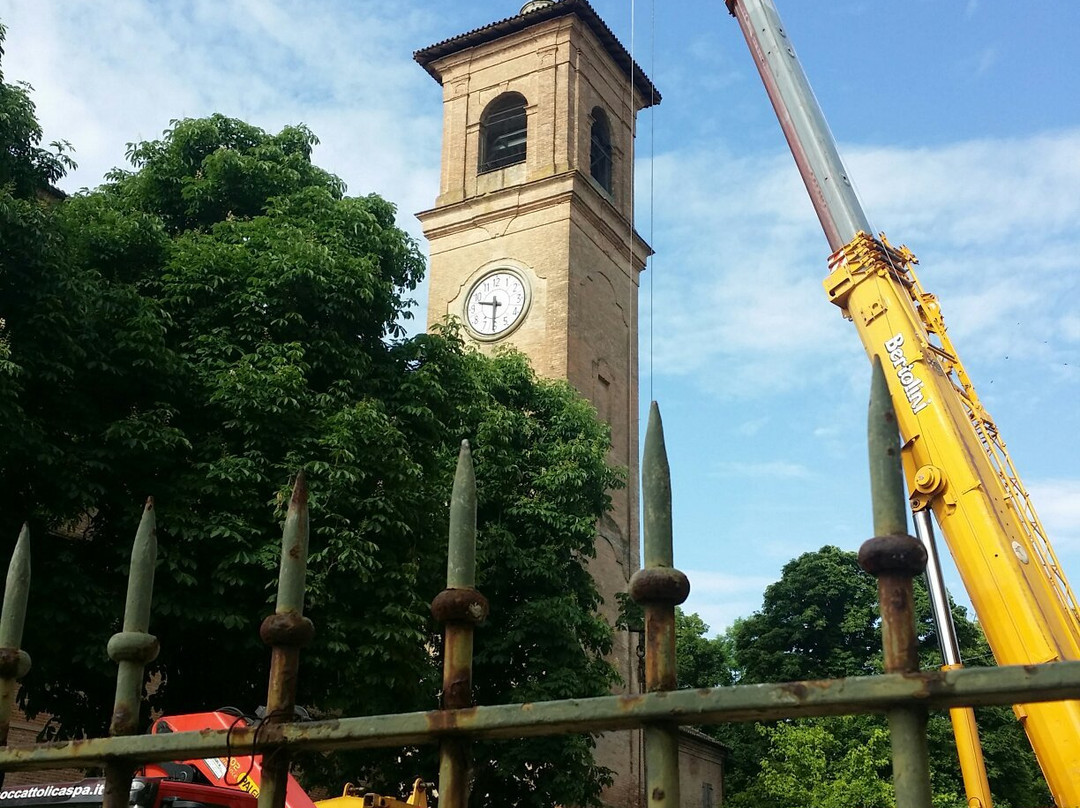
238 771
218 782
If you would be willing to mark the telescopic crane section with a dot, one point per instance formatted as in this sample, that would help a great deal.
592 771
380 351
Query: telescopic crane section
898 264
955 460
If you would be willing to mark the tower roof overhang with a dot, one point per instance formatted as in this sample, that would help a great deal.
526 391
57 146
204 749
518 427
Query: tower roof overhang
426 57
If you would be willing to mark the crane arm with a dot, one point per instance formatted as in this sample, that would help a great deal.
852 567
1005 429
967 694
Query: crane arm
955 461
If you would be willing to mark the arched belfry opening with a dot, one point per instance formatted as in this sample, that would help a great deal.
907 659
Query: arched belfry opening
504 132
600 158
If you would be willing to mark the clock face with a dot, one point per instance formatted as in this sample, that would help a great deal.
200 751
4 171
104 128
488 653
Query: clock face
496 303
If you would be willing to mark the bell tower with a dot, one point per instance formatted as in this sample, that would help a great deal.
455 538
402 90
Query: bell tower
532 241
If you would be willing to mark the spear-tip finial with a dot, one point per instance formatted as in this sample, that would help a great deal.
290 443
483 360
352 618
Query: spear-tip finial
886 473
656 494
461 553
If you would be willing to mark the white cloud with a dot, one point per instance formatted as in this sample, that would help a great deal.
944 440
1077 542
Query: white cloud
105 75
737 297
719 598
975 192
735 289
752 427
988 57
1058 502
1069 327
766 469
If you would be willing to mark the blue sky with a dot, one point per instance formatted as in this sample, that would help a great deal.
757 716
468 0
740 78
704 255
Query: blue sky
959 121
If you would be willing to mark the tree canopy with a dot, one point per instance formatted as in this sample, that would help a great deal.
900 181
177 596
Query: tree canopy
823 763
201 327
25 167
817 622
699 661
820 620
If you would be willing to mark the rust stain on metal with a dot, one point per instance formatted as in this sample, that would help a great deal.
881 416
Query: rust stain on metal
458 694
444 721
899 641
286 629
299 496
894 598
893 555
123 722
659 585
457 665
459 606
9 663
797 689
930 683
272 732
659 646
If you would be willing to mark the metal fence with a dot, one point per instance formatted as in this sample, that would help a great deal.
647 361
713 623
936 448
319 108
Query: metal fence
903 693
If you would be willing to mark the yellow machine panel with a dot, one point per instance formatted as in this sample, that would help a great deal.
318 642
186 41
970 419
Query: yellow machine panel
956 464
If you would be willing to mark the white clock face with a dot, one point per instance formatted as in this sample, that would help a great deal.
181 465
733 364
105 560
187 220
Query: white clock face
496 303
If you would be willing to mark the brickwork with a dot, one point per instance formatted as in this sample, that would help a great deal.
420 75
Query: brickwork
572 241
701 769
24 732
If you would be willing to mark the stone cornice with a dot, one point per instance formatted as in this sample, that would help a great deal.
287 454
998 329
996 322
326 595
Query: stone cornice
570 189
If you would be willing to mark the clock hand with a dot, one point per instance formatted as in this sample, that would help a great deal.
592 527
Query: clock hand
494 303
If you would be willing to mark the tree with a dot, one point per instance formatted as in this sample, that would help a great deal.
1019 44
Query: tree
817 622
820 620
818 763
700 662
200 328
26 169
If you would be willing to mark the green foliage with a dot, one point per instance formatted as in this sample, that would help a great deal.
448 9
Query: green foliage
818 763
199 329
817 622
210 170
26 169
820 620
700 662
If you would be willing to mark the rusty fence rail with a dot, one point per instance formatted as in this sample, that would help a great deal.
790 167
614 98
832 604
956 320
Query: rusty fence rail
904 694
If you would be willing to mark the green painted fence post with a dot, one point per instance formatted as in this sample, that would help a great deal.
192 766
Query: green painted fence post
459 608
14 662
659 588
895 558
132 648
286 631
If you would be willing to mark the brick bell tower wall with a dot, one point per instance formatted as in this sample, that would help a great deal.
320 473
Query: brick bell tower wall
547 221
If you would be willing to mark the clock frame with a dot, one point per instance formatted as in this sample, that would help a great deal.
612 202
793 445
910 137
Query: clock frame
496 304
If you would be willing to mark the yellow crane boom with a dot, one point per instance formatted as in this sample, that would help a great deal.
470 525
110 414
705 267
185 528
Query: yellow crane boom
955 461
957 465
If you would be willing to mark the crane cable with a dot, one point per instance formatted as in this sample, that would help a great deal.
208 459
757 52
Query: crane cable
650 261
652 183
631 113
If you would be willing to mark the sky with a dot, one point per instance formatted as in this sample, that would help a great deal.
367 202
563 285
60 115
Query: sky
959 122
